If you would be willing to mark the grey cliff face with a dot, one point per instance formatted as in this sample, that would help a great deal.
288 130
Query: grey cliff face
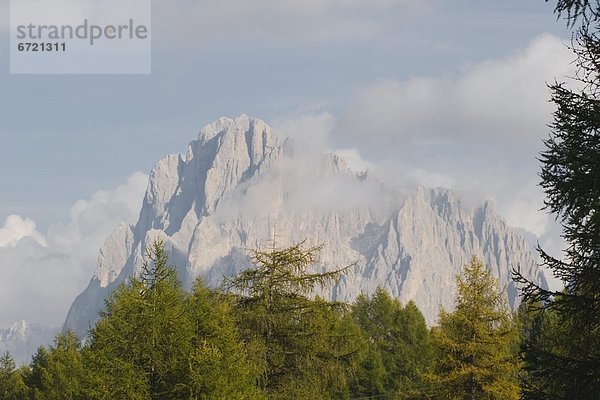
22 339
239 187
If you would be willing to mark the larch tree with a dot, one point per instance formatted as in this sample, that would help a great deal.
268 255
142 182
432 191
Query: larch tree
570 177
156 341
398 351
139 347
475 345
218 363
299 344
58 372
12 386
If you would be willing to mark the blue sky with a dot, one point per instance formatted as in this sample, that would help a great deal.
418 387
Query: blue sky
431 92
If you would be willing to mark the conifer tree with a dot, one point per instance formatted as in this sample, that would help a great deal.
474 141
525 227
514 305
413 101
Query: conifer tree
219 366
58 372
12 386
570 177
138 348
399 353
476 356
299 345
156 341
144 335
544 336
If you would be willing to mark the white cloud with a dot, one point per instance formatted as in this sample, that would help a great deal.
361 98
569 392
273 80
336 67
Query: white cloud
16 228
522 209
39 283
503 100
311 131
517 197
430 179
477 132
354 159
305 174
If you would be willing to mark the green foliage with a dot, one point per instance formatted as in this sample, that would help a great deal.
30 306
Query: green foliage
398 350
555 352
57 373
12 386
144 335
271 337
416 352
298 344
563 353
219 366
544 337
475 357
155 341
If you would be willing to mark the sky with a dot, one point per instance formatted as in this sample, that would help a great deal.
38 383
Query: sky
420 92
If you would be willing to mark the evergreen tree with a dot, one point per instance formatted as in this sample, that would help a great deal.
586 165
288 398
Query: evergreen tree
58 372
219 366
544 336
299 345
399 353
570 176
114 355
12 386
415 353
155 341
475 344
144 335
36 376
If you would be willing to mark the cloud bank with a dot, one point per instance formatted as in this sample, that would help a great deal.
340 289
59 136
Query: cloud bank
477 130
495 101
42 274
16 228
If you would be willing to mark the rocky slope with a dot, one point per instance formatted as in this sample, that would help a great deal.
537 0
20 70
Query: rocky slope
22 340
239 187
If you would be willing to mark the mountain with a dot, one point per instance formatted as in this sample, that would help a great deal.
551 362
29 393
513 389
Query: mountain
22 340
239 186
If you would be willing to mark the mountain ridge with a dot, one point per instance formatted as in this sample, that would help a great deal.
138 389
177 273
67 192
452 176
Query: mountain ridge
238 187
22 339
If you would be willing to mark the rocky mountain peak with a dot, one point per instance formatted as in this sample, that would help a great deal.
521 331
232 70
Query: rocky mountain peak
18 329
237 187
22 339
